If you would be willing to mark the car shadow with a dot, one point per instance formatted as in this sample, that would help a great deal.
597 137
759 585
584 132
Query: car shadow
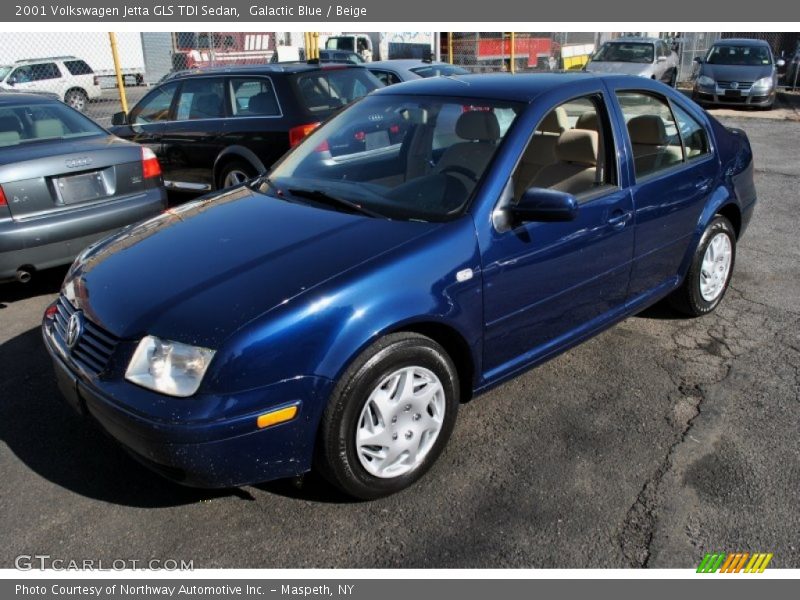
42 282
43 432
661 311
54 442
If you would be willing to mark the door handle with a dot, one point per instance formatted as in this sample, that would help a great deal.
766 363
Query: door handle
619 219
702 184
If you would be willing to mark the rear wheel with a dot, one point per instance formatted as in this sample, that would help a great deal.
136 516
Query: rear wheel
673 80
389 417
77 99
710 272
234 173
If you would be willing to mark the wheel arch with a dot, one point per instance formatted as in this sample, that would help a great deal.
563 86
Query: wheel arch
232 153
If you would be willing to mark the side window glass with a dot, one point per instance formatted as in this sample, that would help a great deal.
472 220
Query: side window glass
154 107
693 134
253 97
201 99
571 150
652 132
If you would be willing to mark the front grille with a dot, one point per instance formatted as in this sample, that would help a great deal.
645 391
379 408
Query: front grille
95 346
741 85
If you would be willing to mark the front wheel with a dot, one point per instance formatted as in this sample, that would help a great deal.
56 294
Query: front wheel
389 417
710 272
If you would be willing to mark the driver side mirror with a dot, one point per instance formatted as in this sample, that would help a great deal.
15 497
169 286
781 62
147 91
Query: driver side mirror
545 206
119 118
12 80
780 62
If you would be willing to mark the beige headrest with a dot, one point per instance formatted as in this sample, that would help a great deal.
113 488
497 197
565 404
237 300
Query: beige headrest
577 146
555 121
587 120
478 125
46 128
647 129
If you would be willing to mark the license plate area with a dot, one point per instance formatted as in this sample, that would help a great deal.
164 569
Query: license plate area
83 187
733 93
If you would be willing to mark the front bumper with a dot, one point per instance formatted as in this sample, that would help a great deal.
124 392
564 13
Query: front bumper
209 441
746 97
56 238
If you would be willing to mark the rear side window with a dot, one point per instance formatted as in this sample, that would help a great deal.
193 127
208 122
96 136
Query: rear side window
201 99
78 67
155 107
330 89
693 134
652 132
253 97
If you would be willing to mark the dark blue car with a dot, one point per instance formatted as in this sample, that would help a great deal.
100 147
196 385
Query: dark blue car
334 314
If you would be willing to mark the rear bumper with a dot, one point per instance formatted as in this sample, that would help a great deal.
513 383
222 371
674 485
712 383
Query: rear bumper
54 239
223 448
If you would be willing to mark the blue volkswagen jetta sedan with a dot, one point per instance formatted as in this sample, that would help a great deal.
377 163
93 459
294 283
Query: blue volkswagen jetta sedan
333 313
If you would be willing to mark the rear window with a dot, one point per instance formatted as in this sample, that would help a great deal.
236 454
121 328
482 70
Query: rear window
22 124
78 67
436 70
327 90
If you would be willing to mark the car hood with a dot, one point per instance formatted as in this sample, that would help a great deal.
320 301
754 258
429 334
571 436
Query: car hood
622 68
736 72
198 273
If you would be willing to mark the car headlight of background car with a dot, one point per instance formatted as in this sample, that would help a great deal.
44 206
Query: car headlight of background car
705 81
763 83
171 368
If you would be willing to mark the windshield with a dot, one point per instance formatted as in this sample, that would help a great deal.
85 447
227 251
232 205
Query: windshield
434 70
331 88
4 71
23 124
635 52
748 56
402 157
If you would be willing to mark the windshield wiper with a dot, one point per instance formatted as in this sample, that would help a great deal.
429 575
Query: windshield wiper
326 198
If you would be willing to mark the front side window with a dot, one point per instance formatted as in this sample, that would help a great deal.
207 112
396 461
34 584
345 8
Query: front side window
201 99
403 157
634 52
571 150
155 107
39 72
652 131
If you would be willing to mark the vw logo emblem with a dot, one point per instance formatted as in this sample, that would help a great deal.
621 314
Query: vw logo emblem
74 329
734 85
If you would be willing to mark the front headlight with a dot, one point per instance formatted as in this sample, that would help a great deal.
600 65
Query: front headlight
168 367
763 83
705 81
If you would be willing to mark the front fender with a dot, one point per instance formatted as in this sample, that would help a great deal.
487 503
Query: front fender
321 332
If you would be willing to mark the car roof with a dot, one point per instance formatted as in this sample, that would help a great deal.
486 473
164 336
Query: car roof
17 97
522 87
271 68
741 42
631 39
406 63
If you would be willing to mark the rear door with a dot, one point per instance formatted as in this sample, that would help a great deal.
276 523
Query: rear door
194 138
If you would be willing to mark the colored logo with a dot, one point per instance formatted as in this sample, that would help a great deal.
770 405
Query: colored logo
739 562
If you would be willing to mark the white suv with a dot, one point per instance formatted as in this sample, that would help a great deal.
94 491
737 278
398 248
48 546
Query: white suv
69 77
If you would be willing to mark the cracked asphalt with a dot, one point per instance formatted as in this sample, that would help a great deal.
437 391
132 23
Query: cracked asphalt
657 441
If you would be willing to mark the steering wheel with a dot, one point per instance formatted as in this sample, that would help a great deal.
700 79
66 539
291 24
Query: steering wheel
460 171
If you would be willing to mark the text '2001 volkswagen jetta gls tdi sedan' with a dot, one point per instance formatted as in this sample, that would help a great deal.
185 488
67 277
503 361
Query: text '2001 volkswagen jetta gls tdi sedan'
335 313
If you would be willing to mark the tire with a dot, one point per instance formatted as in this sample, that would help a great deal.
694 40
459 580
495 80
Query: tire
233 173
77 99
354 417
699 294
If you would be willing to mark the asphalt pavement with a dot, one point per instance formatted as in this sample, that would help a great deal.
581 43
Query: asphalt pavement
653 443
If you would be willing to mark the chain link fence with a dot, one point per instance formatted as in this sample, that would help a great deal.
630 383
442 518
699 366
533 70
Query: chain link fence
79 67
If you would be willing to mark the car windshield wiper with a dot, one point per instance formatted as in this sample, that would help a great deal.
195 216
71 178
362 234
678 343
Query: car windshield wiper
326 198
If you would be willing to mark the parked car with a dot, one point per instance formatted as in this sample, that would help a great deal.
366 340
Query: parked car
395 71
646 57
340 56
218 127
335 312
740 72
70 78
792 76
64 183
